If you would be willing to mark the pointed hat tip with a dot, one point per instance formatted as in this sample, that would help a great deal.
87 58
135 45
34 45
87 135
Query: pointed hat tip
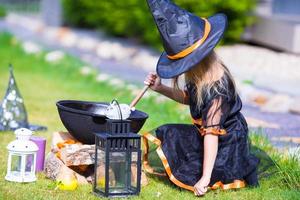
10 67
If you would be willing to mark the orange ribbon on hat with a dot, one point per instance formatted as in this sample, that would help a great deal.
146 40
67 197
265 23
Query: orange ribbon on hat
191 48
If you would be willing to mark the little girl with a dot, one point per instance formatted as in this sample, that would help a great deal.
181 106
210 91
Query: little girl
214 151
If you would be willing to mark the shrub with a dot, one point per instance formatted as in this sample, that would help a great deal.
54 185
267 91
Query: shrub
2 12
131 18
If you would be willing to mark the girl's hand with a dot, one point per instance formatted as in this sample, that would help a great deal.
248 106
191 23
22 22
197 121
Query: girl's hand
153 81
201 186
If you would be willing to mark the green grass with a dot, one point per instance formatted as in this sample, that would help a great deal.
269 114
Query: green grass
42 84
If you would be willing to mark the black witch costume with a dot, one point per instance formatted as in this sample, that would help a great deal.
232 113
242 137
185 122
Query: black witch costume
187 39
180 146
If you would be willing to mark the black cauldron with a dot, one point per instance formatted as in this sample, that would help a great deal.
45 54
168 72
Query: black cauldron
82 119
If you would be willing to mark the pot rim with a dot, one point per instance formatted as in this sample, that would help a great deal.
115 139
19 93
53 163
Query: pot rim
77 111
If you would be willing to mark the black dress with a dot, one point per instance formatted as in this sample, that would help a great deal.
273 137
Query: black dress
180 146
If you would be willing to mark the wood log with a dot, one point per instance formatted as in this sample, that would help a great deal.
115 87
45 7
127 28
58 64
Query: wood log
60 137
112 178
101 176
55 168
78 155
70 151
144 179
68 155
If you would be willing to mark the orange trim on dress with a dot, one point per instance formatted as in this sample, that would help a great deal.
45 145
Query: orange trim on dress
147 136
210 130
197 121
146 164
214 131
194 46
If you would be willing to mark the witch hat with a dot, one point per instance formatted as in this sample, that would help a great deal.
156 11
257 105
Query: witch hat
187 38
13 113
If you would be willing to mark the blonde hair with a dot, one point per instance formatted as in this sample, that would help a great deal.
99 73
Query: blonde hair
207 77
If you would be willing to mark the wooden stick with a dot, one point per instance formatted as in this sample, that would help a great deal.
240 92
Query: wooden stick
139 96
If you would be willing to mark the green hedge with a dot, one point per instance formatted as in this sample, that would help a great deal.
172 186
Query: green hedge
2 12
131 18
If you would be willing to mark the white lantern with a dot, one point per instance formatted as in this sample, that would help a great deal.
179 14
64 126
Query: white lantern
21 157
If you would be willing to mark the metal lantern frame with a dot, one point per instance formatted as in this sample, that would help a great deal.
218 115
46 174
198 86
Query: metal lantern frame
118 139
25 151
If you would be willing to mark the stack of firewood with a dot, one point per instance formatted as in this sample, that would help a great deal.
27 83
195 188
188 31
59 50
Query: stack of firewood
70 156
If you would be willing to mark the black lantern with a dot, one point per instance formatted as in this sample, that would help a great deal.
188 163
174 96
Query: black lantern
117 161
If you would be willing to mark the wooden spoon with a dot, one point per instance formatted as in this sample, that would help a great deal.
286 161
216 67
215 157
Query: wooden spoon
139 96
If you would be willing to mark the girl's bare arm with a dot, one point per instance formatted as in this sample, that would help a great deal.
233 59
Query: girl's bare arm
155 84
210 154
175 94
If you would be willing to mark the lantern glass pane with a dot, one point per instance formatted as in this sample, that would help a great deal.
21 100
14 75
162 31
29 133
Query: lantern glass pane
29 163
134 170
16 163
100 173
119 173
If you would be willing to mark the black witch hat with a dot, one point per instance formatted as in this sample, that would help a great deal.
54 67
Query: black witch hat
187 38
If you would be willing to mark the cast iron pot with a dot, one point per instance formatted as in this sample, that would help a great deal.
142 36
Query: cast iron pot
82 119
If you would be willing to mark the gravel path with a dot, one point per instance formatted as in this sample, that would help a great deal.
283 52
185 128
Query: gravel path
286 135
277 71
239 58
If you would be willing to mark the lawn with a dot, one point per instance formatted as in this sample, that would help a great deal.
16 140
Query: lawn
42 84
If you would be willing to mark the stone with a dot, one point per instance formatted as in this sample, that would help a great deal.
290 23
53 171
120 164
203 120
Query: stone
252 95
31 47
131 87
54 56
103 77
87 44
295 140
116 82
69 40
278 103
103 50
257 123
62 32
295 106
51 33
260 100
244 90
85 70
